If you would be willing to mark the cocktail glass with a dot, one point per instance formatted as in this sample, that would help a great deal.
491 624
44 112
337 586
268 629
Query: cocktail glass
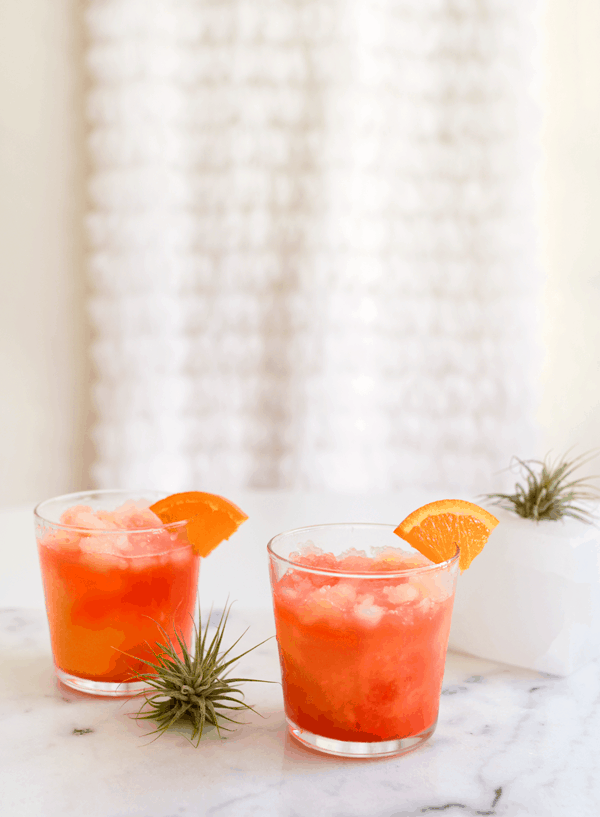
362 651
111 595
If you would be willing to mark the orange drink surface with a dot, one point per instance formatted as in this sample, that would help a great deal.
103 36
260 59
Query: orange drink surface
112 580
362 640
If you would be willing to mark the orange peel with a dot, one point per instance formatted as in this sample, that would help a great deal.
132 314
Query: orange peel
436 529
210 518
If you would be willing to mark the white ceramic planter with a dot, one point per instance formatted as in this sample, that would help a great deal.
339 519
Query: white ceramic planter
532 597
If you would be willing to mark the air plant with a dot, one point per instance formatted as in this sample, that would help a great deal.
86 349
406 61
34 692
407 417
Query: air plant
547 490
194 689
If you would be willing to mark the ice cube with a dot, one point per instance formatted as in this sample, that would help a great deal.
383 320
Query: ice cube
142 543
436 586
343 594
312 556
60 539
367 611
340 595
110 543
315 608
289 594
103 562
134 515
82 516
401 593
138 564
326 602
354 561
391 559
309 547
179 556
297 585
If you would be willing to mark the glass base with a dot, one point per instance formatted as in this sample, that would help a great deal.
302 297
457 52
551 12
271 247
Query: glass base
110 689
350 748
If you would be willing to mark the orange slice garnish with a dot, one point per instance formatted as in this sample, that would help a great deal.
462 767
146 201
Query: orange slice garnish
211 518
437 528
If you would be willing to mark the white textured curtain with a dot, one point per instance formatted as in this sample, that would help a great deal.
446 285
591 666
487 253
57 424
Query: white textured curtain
312 242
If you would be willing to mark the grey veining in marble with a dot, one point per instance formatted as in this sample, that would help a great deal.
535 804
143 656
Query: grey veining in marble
509 742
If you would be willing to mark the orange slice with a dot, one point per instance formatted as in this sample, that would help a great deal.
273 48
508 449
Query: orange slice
211 518
437 528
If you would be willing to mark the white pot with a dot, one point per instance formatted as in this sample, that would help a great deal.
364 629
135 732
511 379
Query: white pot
532 596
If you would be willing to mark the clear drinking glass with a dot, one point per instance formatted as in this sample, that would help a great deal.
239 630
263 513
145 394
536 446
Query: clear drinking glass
362 650
110 591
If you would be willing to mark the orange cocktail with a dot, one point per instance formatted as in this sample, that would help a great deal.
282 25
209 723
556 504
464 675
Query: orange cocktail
362 628
116 582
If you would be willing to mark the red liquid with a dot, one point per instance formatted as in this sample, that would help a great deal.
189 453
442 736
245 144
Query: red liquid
362 659
104 609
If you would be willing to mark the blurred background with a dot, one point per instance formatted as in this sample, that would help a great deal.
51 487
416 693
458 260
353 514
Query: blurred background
349 246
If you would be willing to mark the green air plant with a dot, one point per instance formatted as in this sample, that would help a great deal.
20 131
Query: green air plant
547 490
194 690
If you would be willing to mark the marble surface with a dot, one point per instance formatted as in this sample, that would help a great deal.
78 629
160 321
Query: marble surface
509 742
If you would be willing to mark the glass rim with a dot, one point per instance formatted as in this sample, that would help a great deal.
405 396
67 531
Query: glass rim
115 531
410 571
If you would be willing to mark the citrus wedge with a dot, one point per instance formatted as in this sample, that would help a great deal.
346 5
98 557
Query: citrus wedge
211 518
437 528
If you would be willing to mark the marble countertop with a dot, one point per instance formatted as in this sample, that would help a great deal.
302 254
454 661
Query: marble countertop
509 742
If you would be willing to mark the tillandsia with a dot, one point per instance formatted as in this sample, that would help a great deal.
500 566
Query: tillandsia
194 689
548 491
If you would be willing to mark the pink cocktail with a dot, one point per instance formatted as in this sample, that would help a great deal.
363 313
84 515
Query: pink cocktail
362 628
116 582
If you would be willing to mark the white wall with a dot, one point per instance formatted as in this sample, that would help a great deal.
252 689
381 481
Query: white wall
43 370
570 227
44 374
